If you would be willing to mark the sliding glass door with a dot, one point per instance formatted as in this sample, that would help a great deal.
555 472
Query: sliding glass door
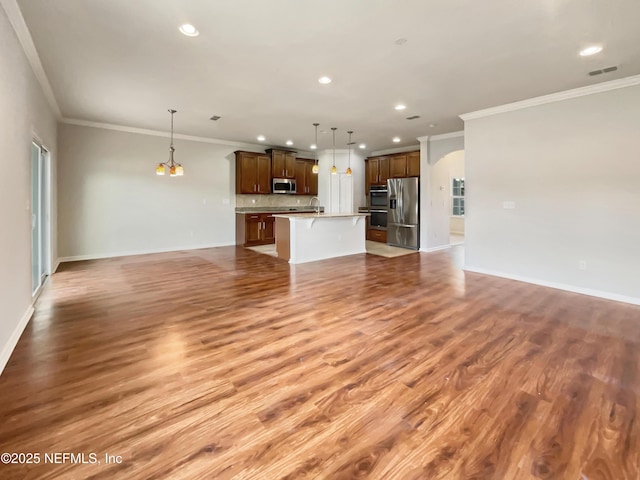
39 216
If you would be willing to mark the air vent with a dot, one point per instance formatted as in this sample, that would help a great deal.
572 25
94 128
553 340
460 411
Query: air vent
215 118
604 70
413 117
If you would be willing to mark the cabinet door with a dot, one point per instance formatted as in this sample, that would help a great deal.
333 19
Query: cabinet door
278 164
268 229
247 174
312 179
289 165
413 164
263 174
383 174
252 230
372 171
398 166
301 177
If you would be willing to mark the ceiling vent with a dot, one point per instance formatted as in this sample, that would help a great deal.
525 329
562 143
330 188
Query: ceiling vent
604 70
215 118
413 117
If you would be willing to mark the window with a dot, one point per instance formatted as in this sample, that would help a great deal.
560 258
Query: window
457 197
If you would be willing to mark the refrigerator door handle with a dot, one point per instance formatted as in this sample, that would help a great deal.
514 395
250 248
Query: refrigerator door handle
403 225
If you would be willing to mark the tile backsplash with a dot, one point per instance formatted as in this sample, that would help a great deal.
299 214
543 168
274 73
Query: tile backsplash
272 200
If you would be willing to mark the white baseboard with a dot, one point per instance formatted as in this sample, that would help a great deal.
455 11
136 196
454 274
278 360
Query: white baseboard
558 286
7 350
435 249
97 256
55 267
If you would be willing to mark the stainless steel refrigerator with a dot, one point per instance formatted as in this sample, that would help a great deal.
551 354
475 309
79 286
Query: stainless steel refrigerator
403 214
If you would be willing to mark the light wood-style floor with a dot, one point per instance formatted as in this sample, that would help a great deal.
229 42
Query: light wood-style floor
225 363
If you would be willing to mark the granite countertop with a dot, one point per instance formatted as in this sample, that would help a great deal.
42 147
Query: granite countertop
296 209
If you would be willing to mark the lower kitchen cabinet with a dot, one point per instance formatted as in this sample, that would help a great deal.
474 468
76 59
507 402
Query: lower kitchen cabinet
377 235
255 229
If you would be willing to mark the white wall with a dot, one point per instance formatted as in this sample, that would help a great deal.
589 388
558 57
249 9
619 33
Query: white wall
572 168
325 161
439 160
26 115
112 202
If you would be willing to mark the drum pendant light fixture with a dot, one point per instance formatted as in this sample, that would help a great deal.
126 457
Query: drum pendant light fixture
315 169
349 172
175 169
334 169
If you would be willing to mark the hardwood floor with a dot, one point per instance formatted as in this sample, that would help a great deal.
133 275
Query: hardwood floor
224 363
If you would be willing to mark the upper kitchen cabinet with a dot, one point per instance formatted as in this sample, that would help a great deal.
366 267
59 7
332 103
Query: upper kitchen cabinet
404 165
306 180
283 163
253 172
376 171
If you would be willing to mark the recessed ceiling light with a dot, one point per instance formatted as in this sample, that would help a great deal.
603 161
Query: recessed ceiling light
396 139
289 142
400 107
189 30
433 125
400 41
313 147
324 80
362 145
592 50
261 138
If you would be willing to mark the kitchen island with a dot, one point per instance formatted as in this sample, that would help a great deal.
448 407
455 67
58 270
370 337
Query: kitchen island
309 237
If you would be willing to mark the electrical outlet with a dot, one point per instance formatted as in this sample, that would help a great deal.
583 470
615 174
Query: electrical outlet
298 201
225 201
582 264
253 200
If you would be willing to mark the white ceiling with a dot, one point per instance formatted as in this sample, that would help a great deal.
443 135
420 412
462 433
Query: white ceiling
256 63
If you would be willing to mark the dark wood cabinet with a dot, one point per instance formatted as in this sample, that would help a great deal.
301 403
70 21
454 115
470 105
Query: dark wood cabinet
404 165
283 163
255 229
398 166
376 171
306 180
253 173
413 164
377 235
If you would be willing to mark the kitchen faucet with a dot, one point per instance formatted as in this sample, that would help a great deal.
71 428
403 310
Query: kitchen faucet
317 206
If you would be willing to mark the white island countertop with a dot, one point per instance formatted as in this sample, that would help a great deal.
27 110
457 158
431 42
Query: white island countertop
308 237
319 215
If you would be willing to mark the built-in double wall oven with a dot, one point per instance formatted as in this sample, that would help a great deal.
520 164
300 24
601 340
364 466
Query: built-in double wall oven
378 205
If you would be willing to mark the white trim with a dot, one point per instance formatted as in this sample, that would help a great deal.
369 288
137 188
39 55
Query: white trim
97 256
55 266
558 286
24 37
423 139
445 136
555 97
389 151
435 249
158 133
8 348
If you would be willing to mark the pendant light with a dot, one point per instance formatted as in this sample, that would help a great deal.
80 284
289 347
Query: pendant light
334 169
175 169
349 172
315 168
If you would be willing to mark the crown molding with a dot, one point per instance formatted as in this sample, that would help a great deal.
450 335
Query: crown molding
389 151
445 136
555 97
424 139
28 47
158 133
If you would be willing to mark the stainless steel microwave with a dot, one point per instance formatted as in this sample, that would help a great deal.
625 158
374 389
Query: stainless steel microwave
283 185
